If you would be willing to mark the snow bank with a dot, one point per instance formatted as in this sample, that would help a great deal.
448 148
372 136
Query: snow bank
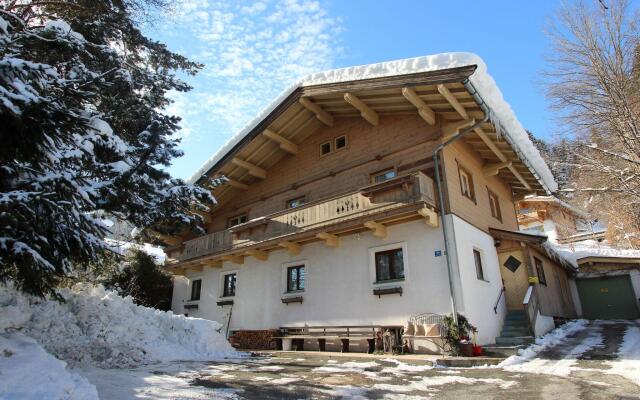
502 114
97 327
28 372
551 339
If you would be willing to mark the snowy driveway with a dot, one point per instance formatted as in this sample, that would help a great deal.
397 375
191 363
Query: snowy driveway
601 361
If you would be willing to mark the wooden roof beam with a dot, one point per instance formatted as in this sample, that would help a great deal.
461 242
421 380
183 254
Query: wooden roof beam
453 101
237 184
423 109
365 111
321 114
450 130
253 169
292 248
494 169
285 144
329 239
236 259
501 156
258 254
379 230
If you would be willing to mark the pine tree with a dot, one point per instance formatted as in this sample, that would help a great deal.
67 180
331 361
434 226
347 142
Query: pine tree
82 93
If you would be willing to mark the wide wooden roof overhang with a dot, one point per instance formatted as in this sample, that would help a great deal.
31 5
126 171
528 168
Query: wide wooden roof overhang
439 97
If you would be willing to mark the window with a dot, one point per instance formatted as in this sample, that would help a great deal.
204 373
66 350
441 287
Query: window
384 175
540 271
494 204
196 286
229 285
295 278
297 202
340 142
237 220
325 148
466 184
477 256
389 265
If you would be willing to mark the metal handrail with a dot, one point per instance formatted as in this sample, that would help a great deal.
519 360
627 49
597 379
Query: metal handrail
495 307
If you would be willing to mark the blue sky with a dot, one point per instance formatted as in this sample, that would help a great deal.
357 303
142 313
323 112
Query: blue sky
254 50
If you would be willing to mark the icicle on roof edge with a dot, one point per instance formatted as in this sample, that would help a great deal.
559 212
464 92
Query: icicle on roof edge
507 125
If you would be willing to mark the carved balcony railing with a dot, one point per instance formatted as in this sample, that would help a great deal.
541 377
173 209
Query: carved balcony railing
378 198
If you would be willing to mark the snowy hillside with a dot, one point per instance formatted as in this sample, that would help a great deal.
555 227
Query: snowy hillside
91 328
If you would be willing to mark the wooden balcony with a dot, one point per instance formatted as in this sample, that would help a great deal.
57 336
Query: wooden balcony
405 197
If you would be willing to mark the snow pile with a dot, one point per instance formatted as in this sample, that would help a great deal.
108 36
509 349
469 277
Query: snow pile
551 339
502 114
628 362
97 327
28 372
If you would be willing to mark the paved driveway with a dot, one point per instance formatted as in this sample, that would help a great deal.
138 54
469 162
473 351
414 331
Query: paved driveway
583 366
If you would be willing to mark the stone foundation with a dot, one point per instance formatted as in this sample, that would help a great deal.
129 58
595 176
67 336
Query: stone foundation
254 340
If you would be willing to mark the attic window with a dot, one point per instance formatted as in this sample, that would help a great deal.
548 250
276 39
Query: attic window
340 142
237 220
325 148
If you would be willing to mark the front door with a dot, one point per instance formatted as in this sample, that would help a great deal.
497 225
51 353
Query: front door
609 297
514 278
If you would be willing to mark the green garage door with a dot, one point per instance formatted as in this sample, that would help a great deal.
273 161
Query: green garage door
608 298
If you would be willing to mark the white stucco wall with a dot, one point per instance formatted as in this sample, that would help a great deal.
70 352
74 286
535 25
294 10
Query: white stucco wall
478 296
339 288
544 324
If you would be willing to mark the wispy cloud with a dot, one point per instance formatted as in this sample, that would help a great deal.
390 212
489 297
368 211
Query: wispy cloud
251 51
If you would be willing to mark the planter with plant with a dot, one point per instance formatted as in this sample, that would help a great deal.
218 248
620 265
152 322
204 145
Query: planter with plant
458 336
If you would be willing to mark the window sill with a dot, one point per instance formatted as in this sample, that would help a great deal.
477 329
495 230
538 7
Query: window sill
293 292
191 306
389 281
484 280
224 303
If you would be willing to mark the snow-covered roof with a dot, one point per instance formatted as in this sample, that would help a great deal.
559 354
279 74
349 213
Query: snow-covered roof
502 115
553 199
590 248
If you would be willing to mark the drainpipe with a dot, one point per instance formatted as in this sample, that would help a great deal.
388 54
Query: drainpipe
476 96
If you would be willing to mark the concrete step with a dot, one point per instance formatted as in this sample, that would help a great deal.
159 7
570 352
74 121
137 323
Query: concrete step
496 350
512 330
514 340
516 317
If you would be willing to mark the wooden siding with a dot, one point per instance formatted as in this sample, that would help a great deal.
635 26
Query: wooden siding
403 142
477 212
554 297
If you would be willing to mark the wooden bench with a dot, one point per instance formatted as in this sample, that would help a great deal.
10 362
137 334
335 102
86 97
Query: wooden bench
342 333
428 327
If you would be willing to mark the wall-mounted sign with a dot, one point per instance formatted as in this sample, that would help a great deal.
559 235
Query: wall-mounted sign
438 253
